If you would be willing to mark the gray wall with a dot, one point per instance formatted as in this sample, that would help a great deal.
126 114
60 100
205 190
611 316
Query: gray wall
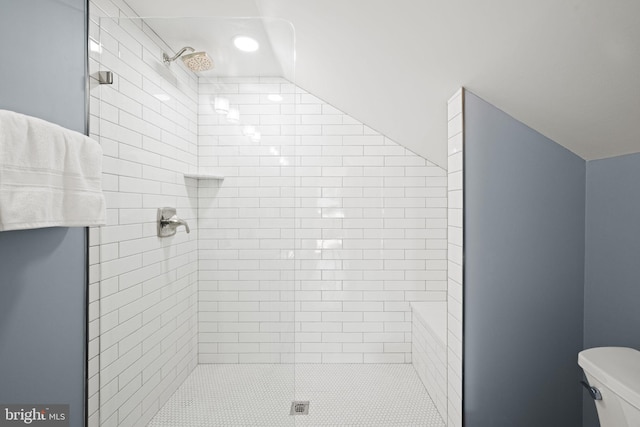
524 271
612 279
42 279
43 73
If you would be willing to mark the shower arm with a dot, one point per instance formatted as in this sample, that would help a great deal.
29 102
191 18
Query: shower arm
166 58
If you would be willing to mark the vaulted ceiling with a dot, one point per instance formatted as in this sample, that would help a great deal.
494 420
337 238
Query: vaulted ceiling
569 69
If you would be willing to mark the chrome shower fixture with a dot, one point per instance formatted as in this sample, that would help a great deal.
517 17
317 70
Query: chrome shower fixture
195 61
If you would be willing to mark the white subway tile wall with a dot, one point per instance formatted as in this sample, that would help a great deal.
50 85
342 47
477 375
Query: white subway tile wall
455 245
320 236
143 289
429 358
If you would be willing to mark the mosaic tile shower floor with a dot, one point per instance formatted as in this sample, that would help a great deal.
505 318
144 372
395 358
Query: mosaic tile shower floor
261 395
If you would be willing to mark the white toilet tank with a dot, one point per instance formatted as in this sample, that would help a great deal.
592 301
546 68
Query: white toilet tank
615 372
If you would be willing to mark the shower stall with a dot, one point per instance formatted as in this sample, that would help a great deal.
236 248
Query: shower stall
312 287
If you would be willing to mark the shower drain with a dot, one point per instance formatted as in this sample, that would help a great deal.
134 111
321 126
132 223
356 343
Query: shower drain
299 408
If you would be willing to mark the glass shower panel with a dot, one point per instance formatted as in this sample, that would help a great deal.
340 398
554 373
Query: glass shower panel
316 243
340 293
198 323
370 261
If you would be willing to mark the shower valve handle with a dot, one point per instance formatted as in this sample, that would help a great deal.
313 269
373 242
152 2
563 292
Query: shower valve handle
175 222
168 222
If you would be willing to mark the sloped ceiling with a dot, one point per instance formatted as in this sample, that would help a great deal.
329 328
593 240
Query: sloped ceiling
568 69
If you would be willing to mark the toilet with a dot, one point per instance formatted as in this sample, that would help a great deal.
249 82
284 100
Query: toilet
613 375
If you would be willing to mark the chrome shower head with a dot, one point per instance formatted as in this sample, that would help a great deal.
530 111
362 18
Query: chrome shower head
196 61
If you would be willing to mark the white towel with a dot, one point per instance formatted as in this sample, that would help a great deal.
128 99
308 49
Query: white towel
49 176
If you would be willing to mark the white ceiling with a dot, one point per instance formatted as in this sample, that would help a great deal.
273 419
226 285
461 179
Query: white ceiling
568 69
215 36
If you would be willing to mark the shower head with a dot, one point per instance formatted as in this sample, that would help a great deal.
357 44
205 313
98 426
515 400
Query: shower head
196 61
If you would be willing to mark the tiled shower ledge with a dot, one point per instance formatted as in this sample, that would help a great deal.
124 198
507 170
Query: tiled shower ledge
204 176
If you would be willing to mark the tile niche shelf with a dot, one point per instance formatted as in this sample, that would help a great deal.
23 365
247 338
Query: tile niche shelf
215 176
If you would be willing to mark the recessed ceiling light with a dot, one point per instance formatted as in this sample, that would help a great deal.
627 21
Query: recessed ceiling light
246 44
274 97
